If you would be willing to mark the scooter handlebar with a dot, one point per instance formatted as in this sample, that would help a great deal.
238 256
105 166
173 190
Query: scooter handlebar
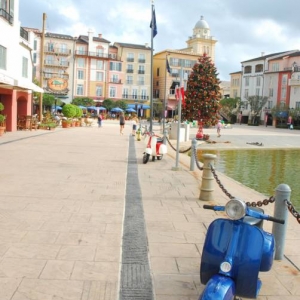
209 207
275 220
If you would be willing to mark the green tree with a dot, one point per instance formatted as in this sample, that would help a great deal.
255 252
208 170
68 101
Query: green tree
108 104
158 109
203 95
256 105
229 108
121 103
48 100
83 101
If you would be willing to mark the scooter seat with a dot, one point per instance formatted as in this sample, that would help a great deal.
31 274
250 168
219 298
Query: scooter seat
254 221
160 140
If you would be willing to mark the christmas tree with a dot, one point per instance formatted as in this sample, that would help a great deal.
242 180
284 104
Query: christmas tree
203 93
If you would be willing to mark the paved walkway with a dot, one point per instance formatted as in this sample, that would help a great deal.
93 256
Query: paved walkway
68 198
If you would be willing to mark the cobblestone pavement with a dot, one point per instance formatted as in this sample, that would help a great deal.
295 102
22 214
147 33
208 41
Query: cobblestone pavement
63 203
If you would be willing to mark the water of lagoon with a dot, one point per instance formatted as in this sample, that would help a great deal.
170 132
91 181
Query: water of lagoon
261 170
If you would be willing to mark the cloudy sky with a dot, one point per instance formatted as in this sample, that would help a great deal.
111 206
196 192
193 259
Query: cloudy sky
244 29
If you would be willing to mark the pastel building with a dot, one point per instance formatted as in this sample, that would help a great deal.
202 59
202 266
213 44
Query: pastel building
15 65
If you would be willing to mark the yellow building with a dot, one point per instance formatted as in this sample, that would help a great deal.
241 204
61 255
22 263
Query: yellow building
180 62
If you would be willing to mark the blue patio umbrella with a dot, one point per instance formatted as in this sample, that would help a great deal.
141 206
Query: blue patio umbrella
130 110
81 106
56 107
117 109
101 108
92 108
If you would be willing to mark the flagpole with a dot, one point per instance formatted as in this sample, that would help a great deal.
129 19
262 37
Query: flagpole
165 101
151 80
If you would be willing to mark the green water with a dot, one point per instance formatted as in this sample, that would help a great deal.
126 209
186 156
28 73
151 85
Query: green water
261 170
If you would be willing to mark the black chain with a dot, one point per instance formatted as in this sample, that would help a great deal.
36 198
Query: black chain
196 159
180 151
292 210
261 203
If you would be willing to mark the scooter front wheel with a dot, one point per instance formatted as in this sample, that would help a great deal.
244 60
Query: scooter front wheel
159 157
146 158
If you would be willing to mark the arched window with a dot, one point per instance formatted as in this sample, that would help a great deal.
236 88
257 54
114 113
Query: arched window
247 70
259 68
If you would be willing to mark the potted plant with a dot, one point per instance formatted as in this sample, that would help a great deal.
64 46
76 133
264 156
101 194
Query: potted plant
78 115
69 111
2 120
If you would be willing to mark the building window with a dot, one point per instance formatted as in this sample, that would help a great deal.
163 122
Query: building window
259 68
283 93
271 92
25 67
234 93
80 74
257 91
275 67
157 72
99 76
99 91
284 80
258 81
269 104
80 62
246 93
142 58
115 78
115 66
129 69
80 89
144 94
112 92
99 64
35 45
247 70
34 58
130 57
125 93
2 58
247 81
298 104
141 80
81 50
134 93
129 80
141 69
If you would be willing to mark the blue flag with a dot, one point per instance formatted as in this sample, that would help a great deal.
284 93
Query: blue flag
168 66
154 27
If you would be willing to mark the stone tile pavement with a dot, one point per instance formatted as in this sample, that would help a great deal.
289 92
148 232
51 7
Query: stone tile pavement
62 207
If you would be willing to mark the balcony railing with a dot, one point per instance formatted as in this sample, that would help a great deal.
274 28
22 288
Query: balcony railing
59 51
97 54
294 81
141 82
4 14
129 71
56 63
142 61
48 75
114 80
129 81
141 71
130 59
135 97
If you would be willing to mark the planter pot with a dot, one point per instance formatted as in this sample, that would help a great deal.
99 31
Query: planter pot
65 124
2 129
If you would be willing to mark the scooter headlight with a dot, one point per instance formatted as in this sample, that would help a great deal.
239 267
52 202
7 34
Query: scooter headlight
235 209
225 267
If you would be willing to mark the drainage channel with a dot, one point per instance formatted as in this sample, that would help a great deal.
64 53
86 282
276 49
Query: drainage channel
136 281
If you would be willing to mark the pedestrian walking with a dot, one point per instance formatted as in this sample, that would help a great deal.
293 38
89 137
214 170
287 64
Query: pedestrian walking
122 122
219 126
135 120
100 120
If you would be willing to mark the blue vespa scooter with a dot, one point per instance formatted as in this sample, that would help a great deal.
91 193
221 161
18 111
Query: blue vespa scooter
235 251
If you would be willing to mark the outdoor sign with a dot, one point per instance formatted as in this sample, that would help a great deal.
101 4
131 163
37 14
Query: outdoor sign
57 84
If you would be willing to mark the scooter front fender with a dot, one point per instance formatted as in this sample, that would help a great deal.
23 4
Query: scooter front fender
218 288
148 151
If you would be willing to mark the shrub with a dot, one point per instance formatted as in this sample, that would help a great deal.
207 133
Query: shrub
69 110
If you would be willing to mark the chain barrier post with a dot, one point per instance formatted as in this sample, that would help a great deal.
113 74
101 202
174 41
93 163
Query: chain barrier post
206 191
165 136
193 154
283 193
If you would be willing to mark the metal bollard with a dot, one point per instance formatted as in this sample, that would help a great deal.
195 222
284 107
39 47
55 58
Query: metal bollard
206 191
193 154
283 192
